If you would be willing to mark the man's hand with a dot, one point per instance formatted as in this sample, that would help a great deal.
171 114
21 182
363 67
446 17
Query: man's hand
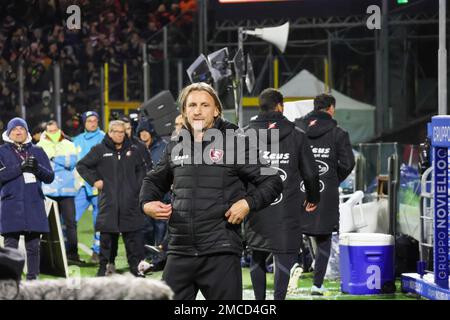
158 210
98 184
30 164
310 207
238 211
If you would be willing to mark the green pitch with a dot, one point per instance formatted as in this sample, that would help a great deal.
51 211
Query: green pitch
302 292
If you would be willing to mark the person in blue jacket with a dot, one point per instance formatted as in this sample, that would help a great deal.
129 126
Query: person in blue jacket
86 194
23 167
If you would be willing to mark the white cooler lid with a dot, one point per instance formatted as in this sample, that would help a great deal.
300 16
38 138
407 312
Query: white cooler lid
365 239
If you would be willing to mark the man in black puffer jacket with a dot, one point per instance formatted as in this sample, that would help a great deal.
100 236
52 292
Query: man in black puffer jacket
334 156
276 229
116 168
210 198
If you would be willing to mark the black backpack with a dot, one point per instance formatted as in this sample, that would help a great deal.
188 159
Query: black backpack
11 264
406 254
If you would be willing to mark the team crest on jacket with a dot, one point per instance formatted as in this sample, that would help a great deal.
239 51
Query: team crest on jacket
272 125
312 123
128 153
215 155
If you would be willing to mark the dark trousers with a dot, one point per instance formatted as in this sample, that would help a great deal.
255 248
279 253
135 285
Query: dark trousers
218 276
32 246
154 231
283 263
66 206
322 255
134 246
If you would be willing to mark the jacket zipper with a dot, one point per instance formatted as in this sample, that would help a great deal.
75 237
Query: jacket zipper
193 211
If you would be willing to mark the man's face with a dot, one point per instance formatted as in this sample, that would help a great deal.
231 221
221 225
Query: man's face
117 134
37 136
18 135
145 136
332 110
91 123
53 128
200 110
178 123
128 129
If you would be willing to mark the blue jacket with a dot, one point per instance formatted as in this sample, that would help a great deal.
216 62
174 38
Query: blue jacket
63 157
157 149
22 205
83 143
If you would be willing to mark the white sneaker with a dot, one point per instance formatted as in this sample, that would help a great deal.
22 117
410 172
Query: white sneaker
144 267
315 291
110 269
296 272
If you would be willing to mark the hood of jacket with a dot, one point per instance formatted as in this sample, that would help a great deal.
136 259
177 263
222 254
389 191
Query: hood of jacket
91 134
110 144
271 121
316 123
8 139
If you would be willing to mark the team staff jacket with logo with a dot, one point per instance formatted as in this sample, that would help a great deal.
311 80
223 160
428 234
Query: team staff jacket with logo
332 150
122 172
277 227
202 193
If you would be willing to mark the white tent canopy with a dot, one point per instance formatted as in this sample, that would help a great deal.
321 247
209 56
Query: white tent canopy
356 117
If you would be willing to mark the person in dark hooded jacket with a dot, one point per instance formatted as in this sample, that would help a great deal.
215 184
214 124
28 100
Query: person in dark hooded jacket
209 166
155 230
276 229
332 150
144 151
116 168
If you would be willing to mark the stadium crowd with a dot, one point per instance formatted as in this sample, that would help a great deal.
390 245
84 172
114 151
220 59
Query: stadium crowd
111 31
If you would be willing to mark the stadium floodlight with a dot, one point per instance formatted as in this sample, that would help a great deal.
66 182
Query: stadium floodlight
278 36
220 68
200 70
249 75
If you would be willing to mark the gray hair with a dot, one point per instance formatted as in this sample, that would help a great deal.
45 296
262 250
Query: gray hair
116 123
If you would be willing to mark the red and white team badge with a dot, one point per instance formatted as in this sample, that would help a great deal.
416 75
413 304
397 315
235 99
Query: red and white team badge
312 123
215 155
128 153
272 125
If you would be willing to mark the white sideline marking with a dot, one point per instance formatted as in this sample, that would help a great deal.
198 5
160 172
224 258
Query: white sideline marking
85 248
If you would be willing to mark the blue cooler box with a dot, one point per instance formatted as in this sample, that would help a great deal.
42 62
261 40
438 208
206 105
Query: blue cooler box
366 263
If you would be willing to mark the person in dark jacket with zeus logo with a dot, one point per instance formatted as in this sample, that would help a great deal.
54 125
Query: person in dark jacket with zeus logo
210 198
276 229
332 150
116 168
